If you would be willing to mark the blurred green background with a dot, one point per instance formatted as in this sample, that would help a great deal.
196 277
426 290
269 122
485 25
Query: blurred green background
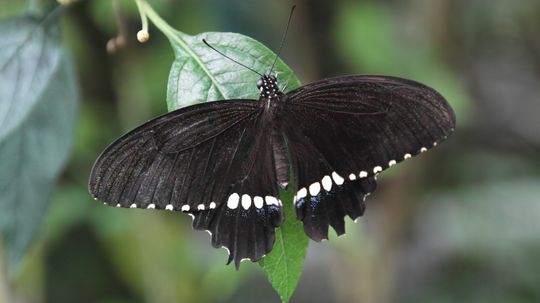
458 224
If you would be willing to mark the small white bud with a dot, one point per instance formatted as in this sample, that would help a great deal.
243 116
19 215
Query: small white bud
143 36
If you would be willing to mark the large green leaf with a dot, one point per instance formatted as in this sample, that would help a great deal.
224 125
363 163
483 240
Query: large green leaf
200 74
33 153
29 55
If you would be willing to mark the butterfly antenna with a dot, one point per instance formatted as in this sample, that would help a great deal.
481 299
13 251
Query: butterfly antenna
283 39
213 48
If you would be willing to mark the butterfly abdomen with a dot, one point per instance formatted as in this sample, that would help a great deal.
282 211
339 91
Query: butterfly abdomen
281 160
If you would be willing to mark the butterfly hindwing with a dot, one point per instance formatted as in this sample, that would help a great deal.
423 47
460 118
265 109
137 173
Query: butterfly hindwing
206 160
329 207
247 233
323 197
343 131
245 223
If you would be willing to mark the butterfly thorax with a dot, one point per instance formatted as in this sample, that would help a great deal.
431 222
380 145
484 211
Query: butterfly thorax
267 84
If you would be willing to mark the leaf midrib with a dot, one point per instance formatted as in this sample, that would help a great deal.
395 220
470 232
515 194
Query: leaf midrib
284 262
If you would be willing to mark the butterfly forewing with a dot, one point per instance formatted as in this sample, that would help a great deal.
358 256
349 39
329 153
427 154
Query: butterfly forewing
344 131
160 152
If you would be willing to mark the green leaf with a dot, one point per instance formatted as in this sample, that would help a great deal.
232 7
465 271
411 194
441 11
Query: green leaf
35 150
29 55
199 74
284 264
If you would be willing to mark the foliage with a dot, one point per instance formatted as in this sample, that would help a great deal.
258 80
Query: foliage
37 108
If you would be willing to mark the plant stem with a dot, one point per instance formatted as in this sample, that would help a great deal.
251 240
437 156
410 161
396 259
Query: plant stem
144 19
174 36
162 25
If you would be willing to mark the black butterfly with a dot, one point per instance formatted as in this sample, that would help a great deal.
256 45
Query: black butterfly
223 162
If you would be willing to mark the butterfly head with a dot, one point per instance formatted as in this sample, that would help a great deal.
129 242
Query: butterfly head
267 84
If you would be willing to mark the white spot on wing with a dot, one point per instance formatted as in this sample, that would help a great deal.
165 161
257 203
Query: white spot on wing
352 177
407 156
212 205
327 183
200 207
133 205
258 201
246 201
169 207
434 143
377 169
423 149
391 163
314 189
185 207
233 200
151 206
271 200
363 174
337 178
118 205
302 193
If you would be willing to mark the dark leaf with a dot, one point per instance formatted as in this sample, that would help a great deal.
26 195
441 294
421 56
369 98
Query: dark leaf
37 146
29 55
